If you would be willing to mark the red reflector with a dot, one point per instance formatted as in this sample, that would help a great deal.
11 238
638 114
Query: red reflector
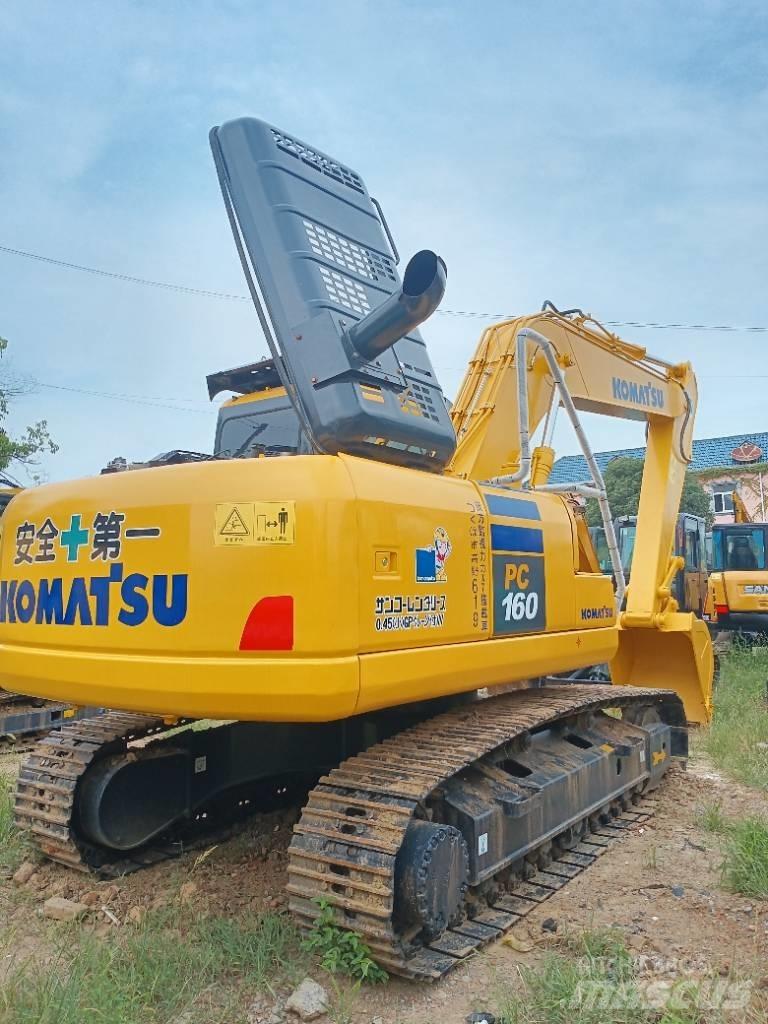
269 627
722 609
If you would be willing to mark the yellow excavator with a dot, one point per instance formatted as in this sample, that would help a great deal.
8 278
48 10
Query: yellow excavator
20 714
737 591
367 592
9 488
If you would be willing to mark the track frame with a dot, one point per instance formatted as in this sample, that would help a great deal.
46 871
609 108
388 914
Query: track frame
345 846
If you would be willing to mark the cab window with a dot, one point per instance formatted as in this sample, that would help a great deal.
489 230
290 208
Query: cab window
601 548
740 550
692 553
627 545
245 429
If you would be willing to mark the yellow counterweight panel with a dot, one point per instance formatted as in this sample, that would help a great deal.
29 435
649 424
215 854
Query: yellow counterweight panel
300 689
290 589
744 590
113 640
740 591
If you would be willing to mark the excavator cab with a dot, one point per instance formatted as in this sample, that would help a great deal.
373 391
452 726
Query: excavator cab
689 587
737 597
260 418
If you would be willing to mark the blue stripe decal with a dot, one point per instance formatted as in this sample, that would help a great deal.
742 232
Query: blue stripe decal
499 505
517 538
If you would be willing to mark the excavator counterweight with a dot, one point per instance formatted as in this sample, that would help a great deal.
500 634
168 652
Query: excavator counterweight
368 592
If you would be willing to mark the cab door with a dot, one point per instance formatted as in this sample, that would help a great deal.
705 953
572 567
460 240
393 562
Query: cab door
691 547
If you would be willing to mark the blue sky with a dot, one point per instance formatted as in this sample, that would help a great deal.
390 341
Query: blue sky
607 155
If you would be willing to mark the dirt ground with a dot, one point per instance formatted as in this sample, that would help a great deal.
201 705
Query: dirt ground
697 929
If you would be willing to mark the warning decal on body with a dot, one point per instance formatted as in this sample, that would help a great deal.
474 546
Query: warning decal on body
235 525
248 523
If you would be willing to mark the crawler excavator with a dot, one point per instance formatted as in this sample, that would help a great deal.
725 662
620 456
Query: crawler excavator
368 597
19 714
737 591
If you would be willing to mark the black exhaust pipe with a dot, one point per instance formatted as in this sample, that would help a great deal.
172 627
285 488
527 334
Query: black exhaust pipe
422 292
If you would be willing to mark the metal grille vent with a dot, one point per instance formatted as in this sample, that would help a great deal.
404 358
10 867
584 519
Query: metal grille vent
423 396
348 254
344 291
321 163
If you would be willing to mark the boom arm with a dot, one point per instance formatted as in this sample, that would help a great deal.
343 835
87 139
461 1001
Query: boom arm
511 387
740 511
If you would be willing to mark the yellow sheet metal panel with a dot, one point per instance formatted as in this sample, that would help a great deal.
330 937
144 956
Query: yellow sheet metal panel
268 588
129 563
428 523
532 555
746 590
255 396
394 677
267 689
595 603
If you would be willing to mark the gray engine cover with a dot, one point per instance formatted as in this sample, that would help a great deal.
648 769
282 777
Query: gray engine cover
321 258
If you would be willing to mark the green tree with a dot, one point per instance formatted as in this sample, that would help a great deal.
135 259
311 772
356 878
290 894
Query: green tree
623 477
34 441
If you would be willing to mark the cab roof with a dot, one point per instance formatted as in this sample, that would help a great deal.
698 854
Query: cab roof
244 380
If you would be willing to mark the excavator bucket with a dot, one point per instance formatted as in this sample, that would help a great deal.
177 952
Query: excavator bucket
676 656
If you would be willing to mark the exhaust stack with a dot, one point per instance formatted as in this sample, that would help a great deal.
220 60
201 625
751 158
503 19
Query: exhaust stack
422 292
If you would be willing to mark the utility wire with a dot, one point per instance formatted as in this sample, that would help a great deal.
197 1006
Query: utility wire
135 399
159 404
230 296
122 277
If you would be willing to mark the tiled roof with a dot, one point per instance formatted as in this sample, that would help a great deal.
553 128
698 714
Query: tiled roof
708 453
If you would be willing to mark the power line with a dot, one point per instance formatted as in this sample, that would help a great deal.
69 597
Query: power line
156 403
230 296
134 399
123 277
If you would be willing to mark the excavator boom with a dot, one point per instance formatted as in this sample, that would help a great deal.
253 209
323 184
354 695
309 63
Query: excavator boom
522 371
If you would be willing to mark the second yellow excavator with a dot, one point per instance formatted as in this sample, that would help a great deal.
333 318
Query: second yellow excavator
368 591
737 590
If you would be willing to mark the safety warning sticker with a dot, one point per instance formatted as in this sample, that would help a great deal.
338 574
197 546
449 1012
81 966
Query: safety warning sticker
247 523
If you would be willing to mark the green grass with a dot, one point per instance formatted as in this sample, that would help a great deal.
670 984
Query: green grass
740 720
745 865
592 978
710 817
169 969
745 850
571 984
13 846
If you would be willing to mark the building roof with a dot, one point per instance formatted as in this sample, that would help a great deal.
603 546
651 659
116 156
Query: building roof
708 453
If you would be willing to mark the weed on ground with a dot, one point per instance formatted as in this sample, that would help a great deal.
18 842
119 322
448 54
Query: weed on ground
711 818
745 865
167 969
13 845
737 740
593 978
341 951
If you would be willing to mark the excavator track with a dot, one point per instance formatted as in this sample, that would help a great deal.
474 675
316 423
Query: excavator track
345 845
46 788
